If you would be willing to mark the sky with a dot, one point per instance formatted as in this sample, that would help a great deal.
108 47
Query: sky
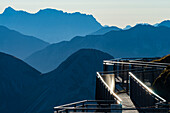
108 12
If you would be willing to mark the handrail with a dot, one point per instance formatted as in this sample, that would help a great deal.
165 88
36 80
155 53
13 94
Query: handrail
80 102
137 58
127 70
146 88
74 103
139 64
135 61
149 62
114 94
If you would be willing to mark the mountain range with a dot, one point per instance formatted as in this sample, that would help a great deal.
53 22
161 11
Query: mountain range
50 25
139 41
19 45
26 90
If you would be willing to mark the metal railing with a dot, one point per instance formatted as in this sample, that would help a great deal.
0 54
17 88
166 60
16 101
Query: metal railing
142 96
147 59
104 92
135 76
89 106
121 68
146 73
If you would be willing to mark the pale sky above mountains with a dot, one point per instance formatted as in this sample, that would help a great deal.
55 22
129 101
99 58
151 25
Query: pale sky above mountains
108 12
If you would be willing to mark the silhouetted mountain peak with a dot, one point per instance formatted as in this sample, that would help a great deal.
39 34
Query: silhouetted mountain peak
49 24
145 27
49 11
165 23
127 27
9 62
142 27
9 10
82 58
25 89
105 30
17 44
59 12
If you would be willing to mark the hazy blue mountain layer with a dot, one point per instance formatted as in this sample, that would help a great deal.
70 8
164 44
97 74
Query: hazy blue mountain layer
139 41
17 44
25 90
104 30
165 23
50 25
127 27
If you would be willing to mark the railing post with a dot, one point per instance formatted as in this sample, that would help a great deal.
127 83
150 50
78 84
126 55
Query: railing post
83 107
114 69
122 74
152 77
104 67
127 82
75 108
98 88
143 74
66 110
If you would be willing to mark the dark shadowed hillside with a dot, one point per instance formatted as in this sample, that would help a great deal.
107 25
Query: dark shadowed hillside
17 81
49 24
17 44
162 82
104 30
165 59
139 41
26 90
74 79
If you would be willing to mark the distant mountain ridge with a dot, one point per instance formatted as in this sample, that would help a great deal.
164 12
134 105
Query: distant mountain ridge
139 41
127 27
165 23
26 90
104 30
50 25
17 44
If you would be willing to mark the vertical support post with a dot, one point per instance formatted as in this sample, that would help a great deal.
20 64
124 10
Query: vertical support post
123 76
115 69
66 110
104 66
152 78
127 82
115 73
143 74
98 87
83 107
75 108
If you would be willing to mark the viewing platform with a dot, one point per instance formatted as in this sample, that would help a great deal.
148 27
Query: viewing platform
124 86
